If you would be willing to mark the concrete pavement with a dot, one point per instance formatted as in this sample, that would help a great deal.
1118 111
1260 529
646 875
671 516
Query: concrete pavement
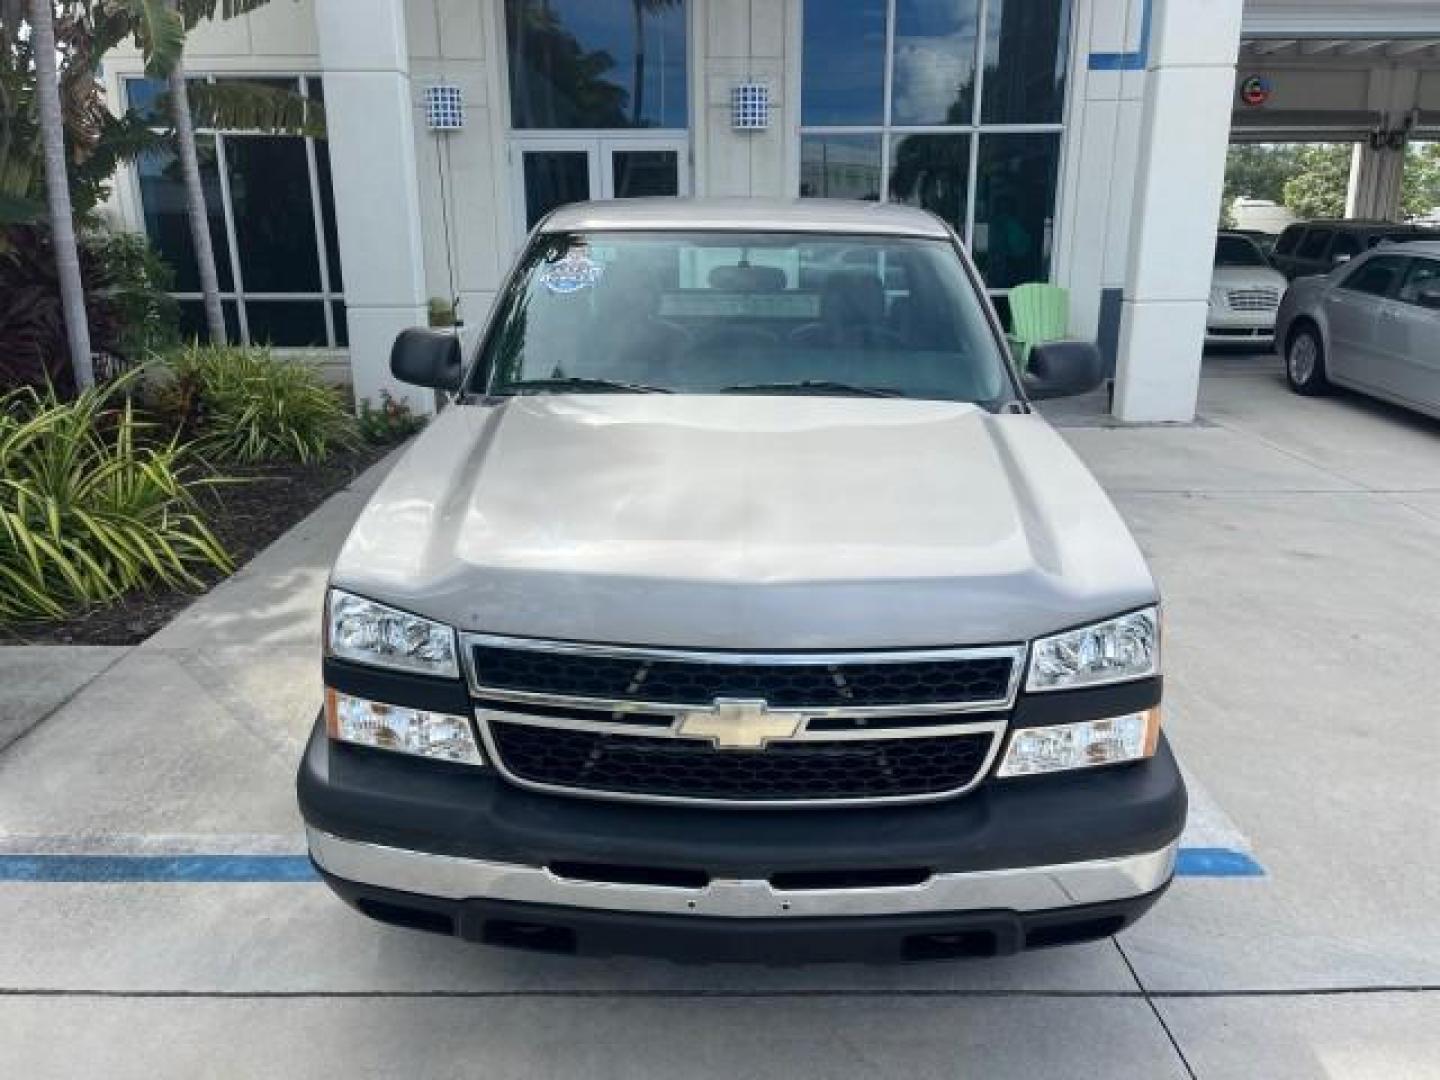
1296 543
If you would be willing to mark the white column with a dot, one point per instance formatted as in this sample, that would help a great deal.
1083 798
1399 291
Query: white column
1376 178
1190 82
364 54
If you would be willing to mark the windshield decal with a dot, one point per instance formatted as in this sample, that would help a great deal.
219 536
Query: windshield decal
571 274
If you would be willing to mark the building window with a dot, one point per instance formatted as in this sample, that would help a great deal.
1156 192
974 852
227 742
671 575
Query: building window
272 225
597 64
952 105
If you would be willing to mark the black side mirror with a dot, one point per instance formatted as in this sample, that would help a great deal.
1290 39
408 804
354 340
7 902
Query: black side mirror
1428 298
426 358
1062 369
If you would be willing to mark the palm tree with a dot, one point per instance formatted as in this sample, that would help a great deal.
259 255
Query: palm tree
57 190
638 10
194 191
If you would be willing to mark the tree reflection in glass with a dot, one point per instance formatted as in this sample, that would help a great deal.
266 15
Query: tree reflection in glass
597 64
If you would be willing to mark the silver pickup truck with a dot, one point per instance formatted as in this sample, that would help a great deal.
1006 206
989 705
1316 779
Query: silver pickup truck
741 607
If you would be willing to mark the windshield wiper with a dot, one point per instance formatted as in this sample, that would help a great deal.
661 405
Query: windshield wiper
579 382
815 386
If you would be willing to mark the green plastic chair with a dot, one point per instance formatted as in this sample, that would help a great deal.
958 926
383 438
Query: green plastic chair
1038 312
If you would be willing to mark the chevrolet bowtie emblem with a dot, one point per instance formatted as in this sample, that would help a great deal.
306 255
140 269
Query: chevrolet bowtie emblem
735 724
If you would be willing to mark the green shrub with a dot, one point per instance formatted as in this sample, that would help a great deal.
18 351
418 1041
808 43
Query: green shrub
392 422
247 406
136 286
130 314
90 506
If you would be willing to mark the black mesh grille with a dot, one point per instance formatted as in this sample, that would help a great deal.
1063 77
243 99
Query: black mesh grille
694 682
688 768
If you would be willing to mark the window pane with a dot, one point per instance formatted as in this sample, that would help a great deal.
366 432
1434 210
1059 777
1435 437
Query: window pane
1015 207
932 171
935 61
1424 277
342 326
327 211
1345 244
140 95
274 216
1027 45
297 323
1314 244
1378 277
596 63
840 166
193 325
162 195
638 173
554 178
843 66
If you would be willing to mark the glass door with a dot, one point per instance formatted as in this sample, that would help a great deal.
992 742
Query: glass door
556 170
553 172
636 168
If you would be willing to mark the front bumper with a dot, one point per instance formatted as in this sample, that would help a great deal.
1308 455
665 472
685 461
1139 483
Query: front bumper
1226 327
1013 865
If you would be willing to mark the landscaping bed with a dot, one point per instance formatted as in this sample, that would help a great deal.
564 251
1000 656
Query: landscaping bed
245 517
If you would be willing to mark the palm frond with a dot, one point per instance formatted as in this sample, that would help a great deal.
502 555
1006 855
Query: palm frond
240 105
195 11
159 29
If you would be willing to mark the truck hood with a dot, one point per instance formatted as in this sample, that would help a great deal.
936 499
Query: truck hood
739 522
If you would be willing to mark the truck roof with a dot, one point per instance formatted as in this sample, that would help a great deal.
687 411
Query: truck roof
747 215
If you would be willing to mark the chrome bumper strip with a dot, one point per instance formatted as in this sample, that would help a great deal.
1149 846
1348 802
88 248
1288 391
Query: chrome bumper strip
1026 888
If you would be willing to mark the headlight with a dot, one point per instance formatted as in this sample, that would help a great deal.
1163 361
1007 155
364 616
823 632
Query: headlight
370 633
1116 650
1082 745
400 728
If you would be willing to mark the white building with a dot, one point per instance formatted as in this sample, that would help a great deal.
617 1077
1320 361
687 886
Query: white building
1076 141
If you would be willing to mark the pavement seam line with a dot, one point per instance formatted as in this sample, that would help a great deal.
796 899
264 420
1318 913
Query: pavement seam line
737 995
1293 455
66 700
1155 1010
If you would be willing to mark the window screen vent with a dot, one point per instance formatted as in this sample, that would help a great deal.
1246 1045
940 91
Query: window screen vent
444 108
750 107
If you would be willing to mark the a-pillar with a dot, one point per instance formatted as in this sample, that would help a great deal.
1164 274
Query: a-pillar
364 53
1185 133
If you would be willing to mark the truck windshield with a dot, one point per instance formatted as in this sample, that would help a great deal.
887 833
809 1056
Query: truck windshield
738 313
1238 251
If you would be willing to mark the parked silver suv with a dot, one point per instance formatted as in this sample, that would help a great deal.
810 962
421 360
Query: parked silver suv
742 607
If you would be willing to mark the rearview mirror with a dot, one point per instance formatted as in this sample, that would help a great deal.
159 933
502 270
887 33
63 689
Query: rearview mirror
1428 298
1062 369
426 358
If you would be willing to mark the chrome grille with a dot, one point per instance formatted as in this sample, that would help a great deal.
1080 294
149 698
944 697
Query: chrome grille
693 769
756 729
1253 299
791 681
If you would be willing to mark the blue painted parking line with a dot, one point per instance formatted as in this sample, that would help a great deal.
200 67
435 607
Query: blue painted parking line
270 869
1216 862
247 869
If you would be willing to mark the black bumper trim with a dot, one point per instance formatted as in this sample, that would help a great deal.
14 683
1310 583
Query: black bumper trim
773 941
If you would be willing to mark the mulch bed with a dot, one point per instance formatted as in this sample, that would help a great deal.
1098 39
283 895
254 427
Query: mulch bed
246 517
